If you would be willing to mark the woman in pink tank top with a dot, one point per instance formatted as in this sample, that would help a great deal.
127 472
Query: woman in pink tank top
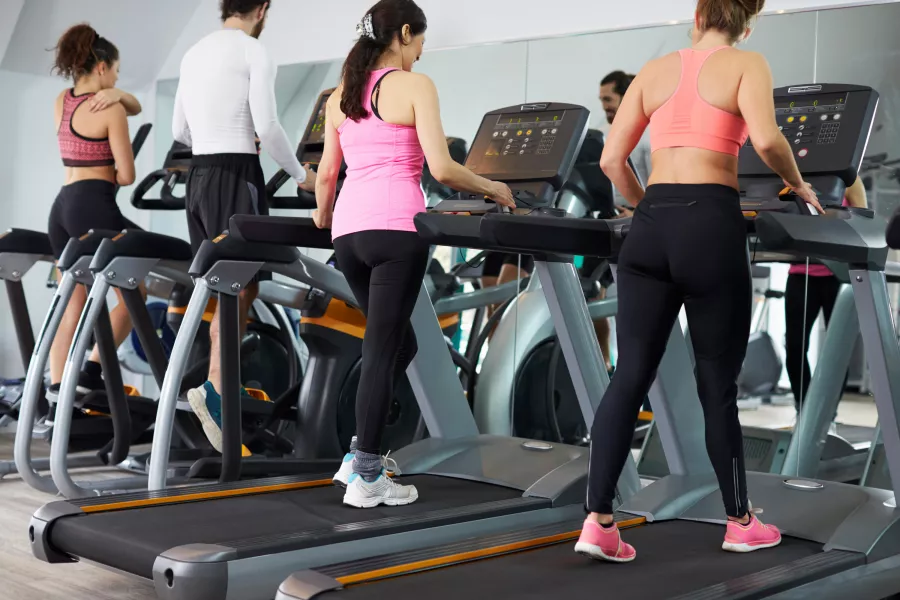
91 121
384 121
687 247
804 297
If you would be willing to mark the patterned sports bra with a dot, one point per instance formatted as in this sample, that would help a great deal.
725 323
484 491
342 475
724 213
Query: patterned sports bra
77 150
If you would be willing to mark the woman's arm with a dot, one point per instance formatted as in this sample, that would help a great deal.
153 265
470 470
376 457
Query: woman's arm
120 143
106 98
757 106
58 109
624 135
856 194
329 169
434 143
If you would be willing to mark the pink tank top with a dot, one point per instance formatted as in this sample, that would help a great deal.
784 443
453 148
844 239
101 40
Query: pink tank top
382 190
815 270
75 149
686 120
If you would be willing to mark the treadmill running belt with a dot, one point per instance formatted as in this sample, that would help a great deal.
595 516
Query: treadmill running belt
130 540
673 558
855 434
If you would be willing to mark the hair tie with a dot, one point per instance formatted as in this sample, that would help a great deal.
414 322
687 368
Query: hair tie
365 28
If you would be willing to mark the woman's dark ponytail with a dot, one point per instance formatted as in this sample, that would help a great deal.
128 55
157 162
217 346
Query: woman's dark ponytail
80 49
382 24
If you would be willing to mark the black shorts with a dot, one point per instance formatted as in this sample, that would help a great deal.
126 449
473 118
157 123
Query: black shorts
82 206
495 261
220 186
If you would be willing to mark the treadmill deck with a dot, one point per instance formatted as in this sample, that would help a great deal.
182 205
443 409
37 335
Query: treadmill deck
131 540
675 558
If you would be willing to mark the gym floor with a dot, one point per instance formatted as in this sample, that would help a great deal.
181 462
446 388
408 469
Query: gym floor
26 578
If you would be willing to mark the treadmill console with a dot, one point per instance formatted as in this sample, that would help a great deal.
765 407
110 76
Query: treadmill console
828 128
530 147
313 142
309 151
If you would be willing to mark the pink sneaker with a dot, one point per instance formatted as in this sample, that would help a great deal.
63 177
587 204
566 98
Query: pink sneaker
602 543
750 537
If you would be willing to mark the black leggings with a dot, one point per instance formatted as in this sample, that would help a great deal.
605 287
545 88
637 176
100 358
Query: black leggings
687 247
821 294
385 270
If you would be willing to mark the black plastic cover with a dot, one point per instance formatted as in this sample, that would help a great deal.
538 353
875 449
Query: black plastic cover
232 248
842 234
586 237
135 243
85 245
286 231
25 241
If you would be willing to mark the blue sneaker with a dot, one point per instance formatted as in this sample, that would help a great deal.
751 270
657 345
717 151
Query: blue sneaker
206 403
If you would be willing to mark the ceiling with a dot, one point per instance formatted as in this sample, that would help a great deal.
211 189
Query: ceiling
144 32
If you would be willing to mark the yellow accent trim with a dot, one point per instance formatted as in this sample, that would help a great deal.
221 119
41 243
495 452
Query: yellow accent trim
220 238
342 317
120 235
257 394
144 502
448 321
452 559
130 390
645 415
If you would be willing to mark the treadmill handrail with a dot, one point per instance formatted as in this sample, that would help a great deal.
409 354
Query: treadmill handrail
283 231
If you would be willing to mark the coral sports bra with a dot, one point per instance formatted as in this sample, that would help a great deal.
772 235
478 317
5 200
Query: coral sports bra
687 120
75 149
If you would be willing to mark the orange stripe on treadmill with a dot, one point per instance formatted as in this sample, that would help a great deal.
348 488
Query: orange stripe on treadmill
645 416
452 559
216 495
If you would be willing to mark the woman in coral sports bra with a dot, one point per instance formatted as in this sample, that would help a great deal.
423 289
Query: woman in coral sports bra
92 129
688 247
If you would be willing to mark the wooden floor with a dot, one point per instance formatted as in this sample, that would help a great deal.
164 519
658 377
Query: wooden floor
23 577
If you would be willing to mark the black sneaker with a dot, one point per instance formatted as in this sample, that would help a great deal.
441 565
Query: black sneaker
89 382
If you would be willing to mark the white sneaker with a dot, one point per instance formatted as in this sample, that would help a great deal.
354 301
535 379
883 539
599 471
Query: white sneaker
342 477
384 490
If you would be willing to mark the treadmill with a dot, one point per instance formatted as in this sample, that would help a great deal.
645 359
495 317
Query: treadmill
840 541
239 540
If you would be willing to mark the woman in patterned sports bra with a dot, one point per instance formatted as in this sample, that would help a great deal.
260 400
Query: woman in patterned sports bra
687 247
92 128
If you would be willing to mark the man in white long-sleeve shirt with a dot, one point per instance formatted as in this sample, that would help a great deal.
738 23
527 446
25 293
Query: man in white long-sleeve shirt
225 99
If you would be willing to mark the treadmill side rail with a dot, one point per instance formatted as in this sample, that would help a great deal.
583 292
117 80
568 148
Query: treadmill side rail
195 574
306 585
39 531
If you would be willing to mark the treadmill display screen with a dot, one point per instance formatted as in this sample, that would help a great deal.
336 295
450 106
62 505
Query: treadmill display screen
812 104
315 133
827 127
528 142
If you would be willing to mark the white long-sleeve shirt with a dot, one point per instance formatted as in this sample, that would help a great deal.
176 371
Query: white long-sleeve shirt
226 97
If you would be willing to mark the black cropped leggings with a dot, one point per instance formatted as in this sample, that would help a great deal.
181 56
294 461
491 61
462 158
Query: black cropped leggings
687 247
385 270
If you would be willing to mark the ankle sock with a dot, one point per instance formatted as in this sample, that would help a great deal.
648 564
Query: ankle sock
368 466
610 526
